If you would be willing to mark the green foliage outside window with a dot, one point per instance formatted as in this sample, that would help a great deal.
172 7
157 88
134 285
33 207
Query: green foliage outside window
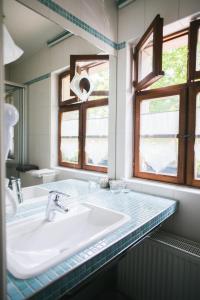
174 62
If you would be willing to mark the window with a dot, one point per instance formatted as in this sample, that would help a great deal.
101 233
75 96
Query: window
167 114
83 126
148 55
159 134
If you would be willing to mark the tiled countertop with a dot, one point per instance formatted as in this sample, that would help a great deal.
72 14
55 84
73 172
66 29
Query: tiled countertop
146 213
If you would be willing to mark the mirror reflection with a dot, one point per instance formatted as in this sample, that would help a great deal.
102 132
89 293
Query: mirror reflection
56 131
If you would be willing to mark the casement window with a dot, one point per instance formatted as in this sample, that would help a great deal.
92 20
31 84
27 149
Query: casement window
148 55
167 112
83 126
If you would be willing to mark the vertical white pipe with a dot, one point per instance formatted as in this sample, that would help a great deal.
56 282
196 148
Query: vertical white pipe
2 172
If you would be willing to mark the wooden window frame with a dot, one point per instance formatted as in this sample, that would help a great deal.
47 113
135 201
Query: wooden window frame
68 108
157 93
67 101
156 27
193 35
194 89
72 105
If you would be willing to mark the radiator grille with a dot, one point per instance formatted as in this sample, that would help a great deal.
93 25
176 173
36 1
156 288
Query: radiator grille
187 246
164 267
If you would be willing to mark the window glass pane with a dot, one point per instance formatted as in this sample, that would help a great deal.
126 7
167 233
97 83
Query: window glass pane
197 140
69 136
145 58
159 126
198 52
174 62
65 88
99 75
96 143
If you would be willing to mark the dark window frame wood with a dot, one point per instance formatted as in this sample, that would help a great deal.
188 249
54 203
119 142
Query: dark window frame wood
194 89
156 27
157 93
193 35
71 105
66 101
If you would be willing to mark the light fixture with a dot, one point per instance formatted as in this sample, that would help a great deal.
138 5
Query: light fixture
11 51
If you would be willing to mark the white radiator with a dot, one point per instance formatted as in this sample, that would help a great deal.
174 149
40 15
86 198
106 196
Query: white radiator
163 267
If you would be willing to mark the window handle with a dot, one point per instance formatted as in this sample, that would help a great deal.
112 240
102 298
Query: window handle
185 136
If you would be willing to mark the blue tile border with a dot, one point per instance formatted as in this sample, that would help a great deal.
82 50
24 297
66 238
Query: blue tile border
146 211
81 24
123 3
59 38
42 77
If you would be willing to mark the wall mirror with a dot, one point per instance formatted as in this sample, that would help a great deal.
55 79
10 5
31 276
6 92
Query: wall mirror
59 127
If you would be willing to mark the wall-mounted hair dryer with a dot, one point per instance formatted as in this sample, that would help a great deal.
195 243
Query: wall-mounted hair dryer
11 117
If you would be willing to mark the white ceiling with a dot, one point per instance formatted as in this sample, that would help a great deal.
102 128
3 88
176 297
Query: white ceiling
29 30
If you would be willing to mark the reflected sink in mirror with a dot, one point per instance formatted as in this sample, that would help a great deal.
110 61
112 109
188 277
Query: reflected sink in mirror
35 245
32 192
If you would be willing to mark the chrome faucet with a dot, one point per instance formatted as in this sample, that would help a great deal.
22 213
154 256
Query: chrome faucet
55 203
15 185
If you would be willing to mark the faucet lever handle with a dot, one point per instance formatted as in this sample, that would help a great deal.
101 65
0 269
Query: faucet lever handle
57 199
60 203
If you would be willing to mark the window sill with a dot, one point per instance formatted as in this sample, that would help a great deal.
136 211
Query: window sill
68 173
162 189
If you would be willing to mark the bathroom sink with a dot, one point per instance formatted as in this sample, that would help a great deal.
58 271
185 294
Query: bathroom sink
35 245
33 192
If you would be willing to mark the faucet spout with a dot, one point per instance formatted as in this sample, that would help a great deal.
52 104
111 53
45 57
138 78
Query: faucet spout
15 185
55 204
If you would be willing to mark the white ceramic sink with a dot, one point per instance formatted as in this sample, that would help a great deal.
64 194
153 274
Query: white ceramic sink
35 245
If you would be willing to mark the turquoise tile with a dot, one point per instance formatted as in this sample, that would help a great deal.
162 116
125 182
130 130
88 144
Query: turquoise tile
37 79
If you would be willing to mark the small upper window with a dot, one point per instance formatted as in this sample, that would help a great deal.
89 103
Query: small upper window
174 60
97 68
64 91
148 55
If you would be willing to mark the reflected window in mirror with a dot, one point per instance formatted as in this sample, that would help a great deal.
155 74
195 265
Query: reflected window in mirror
83 126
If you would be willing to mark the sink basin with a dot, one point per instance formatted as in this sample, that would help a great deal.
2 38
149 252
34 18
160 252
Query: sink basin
33 192
35 245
